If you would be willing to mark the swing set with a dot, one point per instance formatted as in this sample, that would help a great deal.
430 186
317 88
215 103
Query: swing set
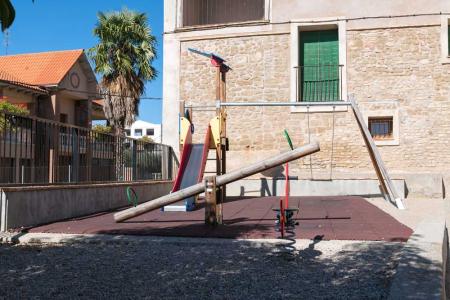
387 187
284 212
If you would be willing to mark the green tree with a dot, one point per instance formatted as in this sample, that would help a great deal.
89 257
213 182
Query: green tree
8 116
123 57
103 129
7 14
13 109
146 139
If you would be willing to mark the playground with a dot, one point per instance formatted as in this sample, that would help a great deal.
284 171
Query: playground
198 204
283 245
331 218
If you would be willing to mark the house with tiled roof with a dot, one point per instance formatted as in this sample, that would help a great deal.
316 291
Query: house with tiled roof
56 85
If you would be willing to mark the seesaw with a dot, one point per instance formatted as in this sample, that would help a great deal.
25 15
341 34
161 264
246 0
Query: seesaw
211 183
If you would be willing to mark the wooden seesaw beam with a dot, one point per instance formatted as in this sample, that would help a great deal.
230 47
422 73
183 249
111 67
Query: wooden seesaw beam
220 180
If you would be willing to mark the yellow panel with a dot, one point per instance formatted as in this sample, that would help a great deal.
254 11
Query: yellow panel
185 127
218 125
215 131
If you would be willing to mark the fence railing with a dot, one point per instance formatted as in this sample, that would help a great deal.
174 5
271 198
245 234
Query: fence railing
38 151
319 83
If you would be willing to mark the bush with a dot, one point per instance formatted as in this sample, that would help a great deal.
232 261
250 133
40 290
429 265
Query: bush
13 109
146 139
102 128
10 116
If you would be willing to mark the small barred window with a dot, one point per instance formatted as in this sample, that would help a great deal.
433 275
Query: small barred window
381 128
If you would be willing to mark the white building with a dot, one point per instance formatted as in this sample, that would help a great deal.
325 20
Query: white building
140 129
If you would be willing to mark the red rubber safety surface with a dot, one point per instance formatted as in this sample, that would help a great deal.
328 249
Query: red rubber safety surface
334 218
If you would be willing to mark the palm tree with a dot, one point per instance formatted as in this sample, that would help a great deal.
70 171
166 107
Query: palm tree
124 58
7 14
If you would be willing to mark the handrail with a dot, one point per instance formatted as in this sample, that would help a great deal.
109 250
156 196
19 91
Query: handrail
323 65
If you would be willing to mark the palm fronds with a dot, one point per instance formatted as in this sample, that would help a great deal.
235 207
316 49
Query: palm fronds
123 57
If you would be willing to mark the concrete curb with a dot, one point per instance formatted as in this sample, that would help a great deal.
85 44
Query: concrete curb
63 238
8 237
422 267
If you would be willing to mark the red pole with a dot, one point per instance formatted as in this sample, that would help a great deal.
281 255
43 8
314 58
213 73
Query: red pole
287 187
282 218
284 205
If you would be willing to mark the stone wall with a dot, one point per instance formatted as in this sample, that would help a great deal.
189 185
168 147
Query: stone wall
22 207
396 70
404 65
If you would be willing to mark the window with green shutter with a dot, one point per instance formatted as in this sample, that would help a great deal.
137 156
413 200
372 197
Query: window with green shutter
448 34
319 66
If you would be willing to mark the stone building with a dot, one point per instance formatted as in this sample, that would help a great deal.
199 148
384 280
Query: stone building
392 56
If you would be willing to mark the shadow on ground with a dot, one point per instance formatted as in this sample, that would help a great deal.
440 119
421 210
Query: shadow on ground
234 228
202 268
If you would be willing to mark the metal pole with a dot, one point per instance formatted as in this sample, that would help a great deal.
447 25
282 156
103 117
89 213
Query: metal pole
303 104
307 104
201 106
220 181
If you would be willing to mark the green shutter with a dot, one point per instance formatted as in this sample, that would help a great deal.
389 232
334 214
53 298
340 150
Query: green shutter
319 65
448 34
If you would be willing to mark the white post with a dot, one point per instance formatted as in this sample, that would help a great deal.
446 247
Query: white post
69 173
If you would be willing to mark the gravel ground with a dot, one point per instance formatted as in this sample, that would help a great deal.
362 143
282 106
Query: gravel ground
198 270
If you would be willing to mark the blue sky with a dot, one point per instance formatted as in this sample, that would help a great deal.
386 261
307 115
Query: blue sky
47 25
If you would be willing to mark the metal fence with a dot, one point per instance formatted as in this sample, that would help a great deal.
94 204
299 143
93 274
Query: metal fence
38 151
319 83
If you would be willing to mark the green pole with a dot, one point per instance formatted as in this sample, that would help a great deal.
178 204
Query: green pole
288 138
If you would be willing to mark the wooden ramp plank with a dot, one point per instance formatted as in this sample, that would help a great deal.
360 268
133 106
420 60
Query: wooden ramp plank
387 186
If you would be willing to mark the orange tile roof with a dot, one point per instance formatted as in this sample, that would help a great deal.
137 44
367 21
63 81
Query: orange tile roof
46 68
10 79
100 102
